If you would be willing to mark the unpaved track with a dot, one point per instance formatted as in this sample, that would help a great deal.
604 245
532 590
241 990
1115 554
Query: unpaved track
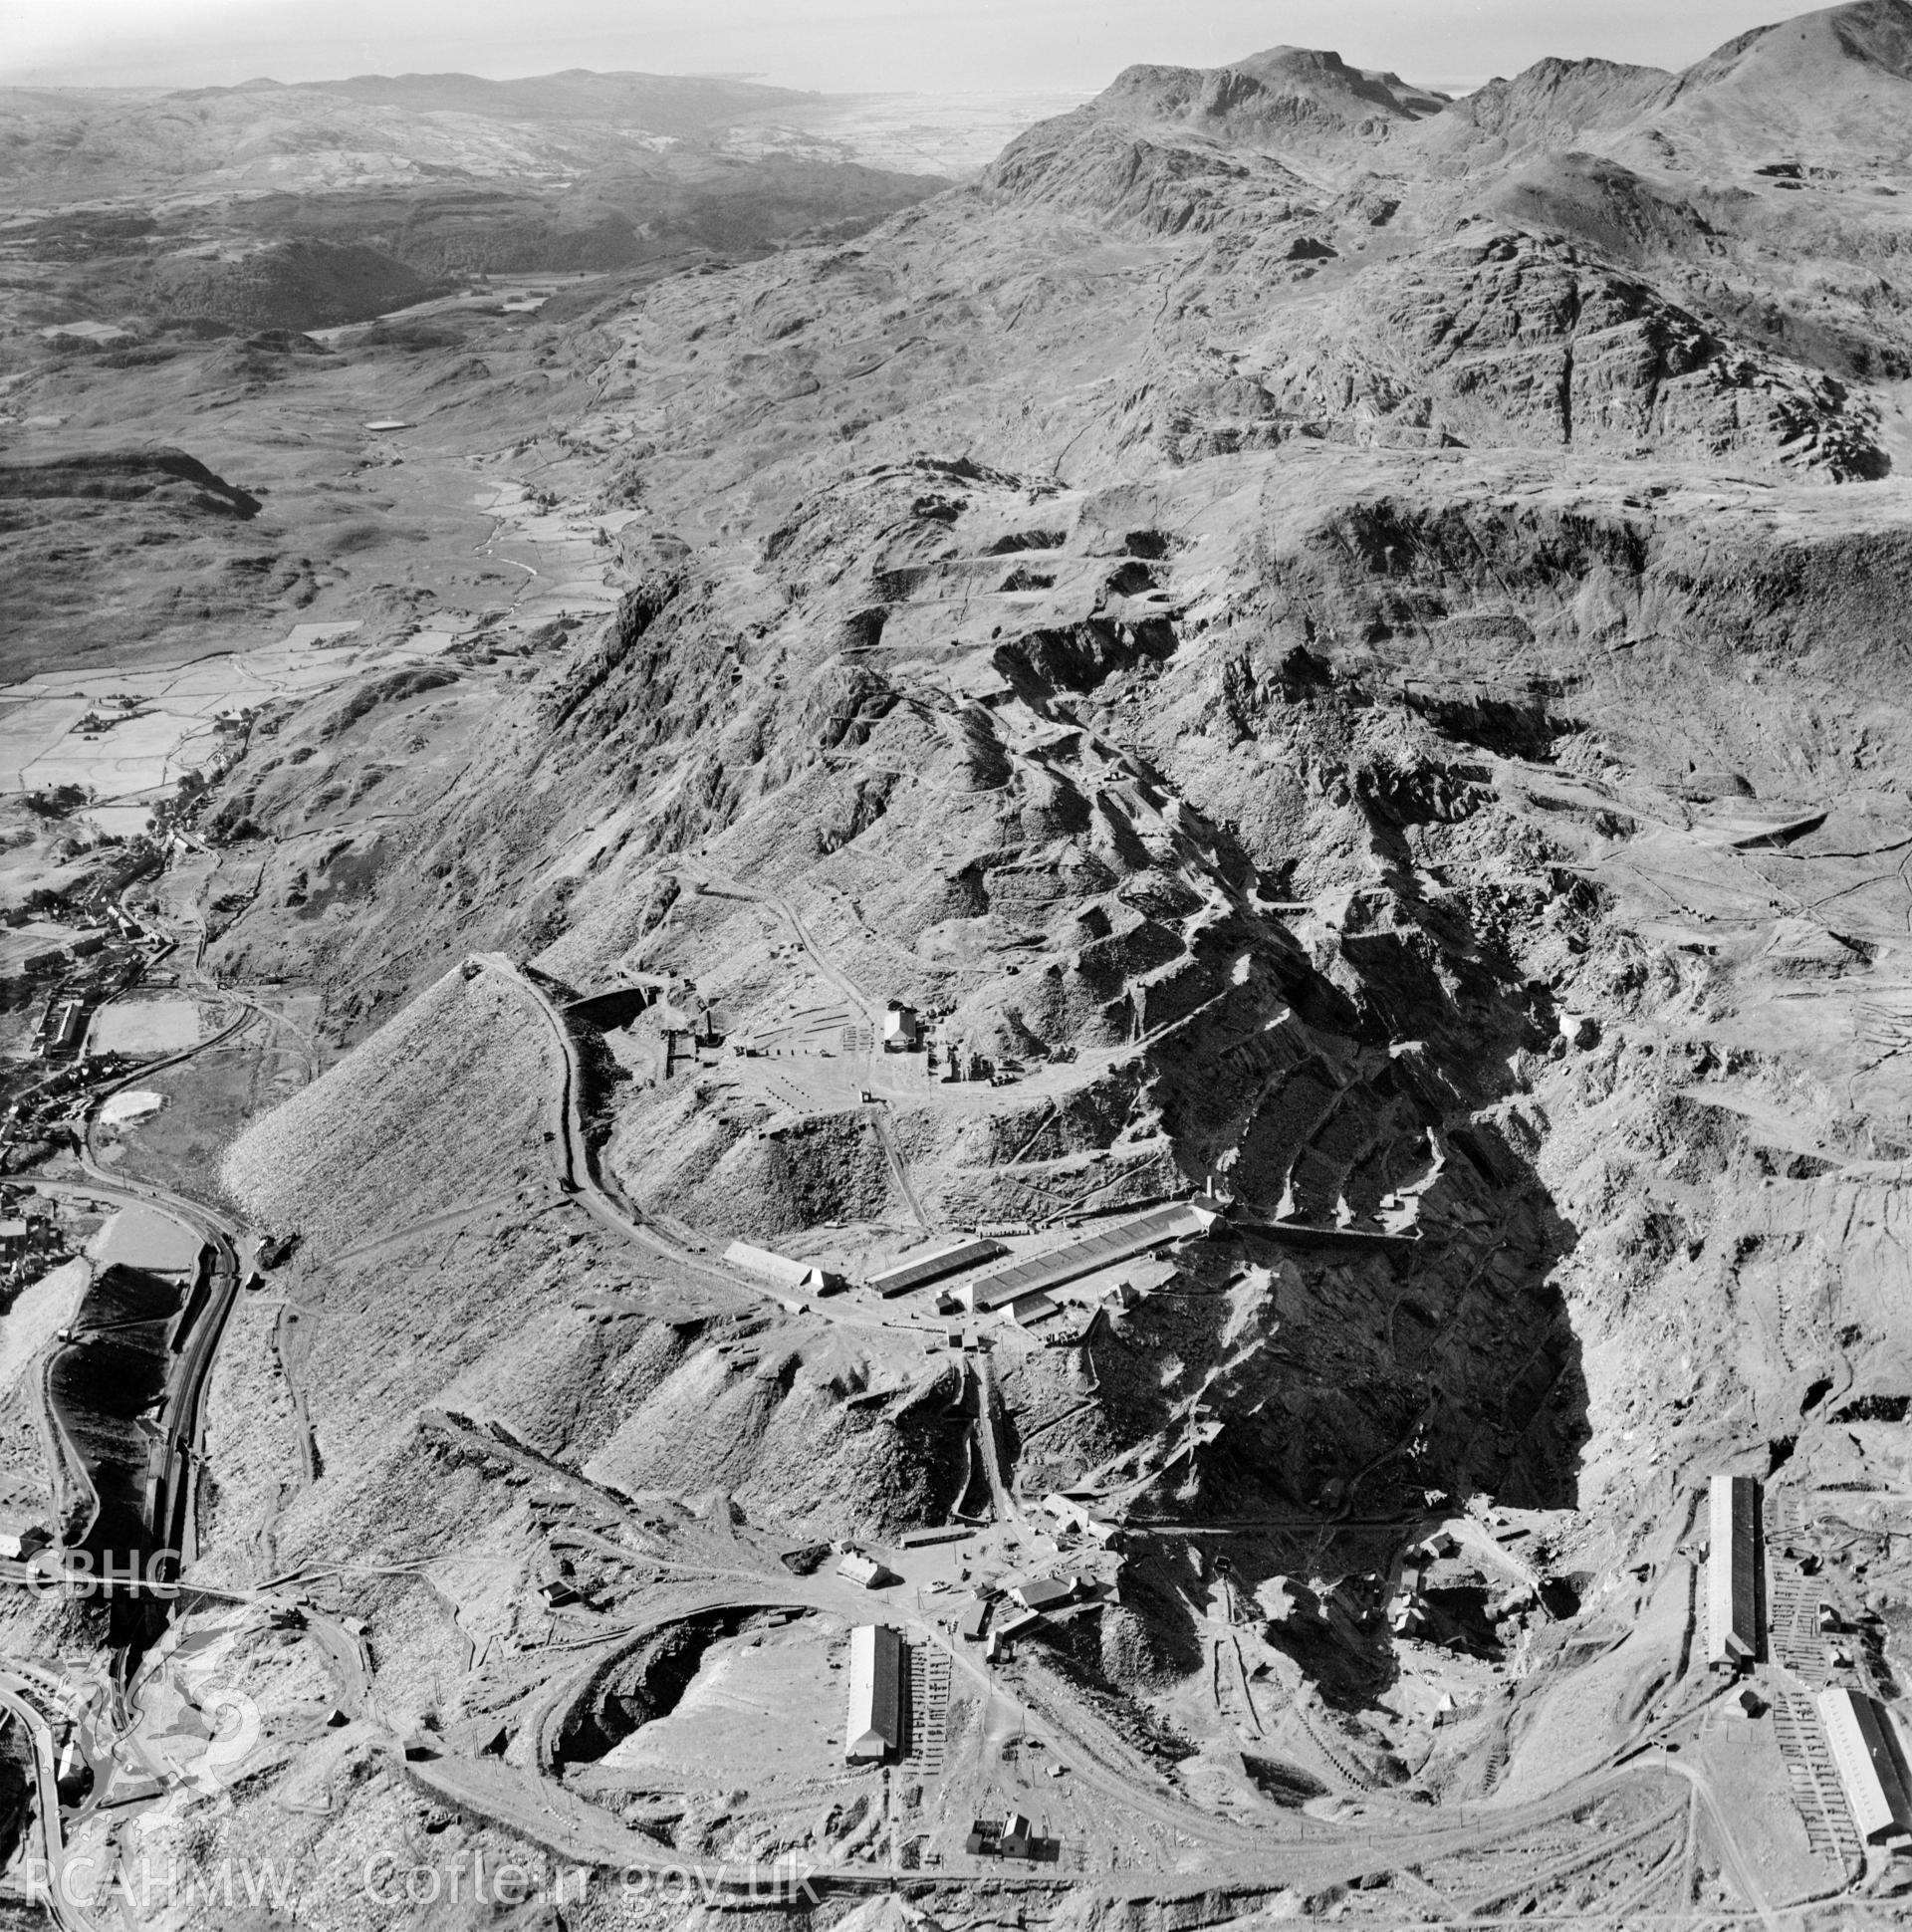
292 1342
576 1174
1730 1852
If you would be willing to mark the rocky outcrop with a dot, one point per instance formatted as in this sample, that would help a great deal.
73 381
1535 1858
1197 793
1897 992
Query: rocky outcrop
1167 150
1498 338
1295 97
1553 106
1148 186
1606 208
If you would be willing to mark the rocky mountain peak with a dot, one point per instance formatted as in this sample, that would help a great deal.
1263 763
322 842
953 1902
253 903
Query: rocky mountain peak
1828 85
1869 32
1268 99
1549 105
1322 75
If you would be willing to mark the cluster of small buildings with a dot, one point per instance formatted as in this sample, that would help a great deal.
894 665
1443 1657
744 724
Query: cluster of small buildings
50 1107
688 1024
1072 1514
29 1245
124 708
906 1031
909 1031
131 928
70 1080
993 1617
1406 1607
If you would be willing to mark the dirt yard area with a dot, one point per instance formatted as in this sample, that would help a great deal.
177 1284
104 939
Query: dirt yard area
155 1026
767 1705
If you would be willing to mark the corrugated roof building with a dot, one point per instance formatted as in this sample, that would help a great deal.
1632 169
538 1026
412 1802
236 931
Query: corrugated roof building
914 1270
1856 1730
768 1265
1114 1242
1733 1574
1032 1310
1044 1593
875 1727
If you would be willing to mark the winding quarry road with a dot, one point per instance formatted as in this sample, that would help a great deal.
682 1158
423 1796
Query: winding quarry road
577 1171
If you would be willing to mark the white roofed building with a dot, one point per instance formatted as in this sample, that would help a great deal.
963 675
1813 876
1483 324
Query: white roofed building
875 1727
1866 1750
863 1570
770 1266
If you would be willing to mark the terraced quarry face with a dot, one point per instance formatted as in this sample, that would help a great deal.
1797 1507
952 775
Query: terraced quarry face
1149 920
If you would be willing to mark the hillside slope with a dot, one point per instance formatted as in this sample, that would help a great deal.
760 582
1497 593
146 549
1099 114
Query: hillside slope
1318 667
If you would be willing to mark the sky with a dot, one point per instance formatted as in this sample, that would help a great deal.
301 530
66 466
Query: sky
839 45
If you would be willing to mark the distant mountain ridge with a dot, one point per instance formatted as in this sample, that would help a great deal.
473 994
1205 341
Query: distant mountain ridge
1835 81
1832 81
70 139
664 103
313 205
